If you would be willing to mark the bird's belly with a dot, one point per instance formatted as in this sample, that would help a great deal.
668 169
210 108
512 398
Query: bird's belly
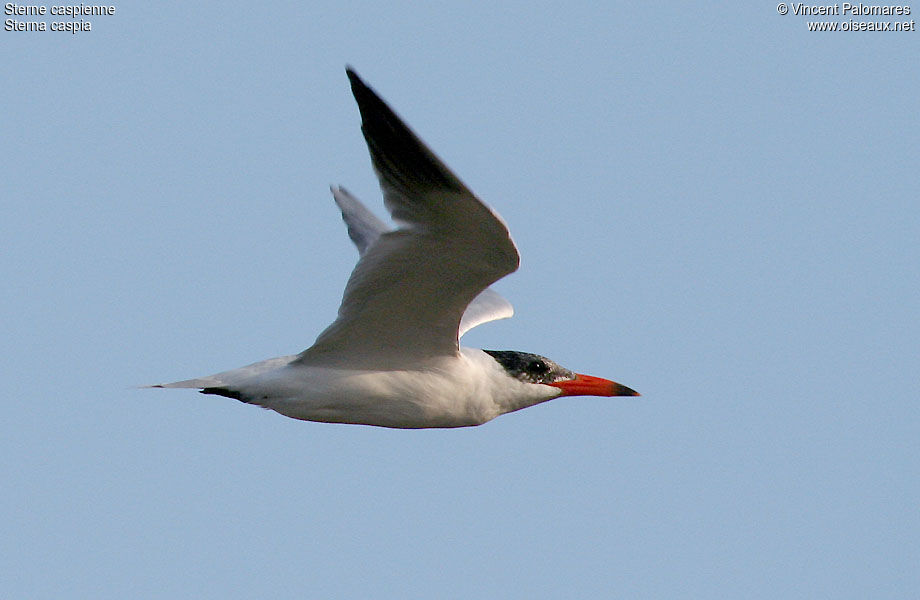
398 399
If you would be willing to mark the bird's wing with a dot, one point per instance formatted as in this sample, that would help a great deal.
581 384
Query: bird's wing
364 228
489 305
407 294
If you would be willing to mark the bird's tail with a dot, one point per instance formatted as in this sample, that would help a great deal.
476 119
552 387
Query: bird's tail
229 379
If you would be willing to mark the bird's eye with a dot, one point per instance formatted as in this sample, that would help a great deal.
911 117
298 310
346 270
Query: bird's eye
537 366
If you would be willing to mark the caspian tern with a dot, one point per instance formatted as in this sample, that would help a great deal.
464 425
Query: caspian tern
392 356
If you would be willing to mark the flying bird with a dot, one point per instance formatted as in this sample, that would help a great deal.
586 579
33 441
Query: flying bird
392 356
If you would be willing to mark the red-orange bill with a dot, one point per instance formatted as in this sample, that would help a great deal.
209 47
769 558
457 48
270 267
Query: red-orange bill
588 385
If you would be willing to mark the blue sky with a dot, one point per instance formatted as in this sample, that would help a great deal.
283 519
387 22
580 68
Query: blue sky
713 206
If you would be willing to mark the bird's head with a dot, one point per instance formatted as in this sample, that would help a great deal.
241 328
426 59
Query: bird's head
533 368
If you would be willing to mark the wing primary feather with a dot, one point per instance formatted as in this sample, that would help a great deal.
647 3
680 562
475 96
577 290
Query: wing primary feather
363 226
402 160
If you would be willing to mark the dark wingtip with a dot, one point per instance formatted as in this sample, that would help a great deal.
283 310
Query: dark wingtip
368 101
401 158
357 84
